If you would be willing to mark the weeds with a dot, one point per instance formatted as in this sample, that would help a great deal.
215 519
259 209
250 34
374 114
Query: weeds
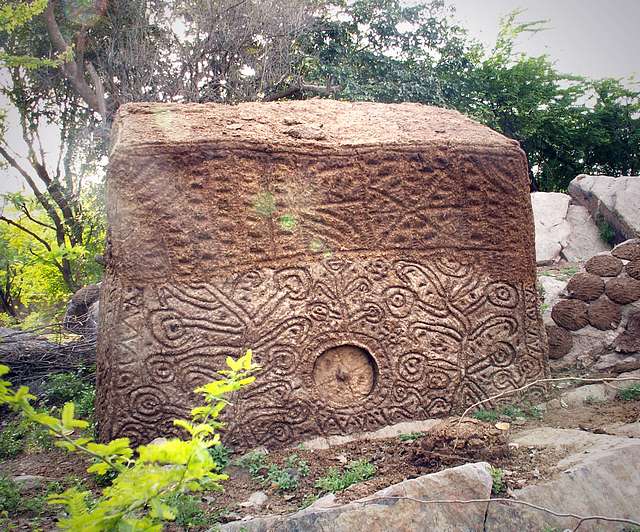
510 411
253 462
221 455
336 480
9 497
20 435
411 436
632 393
497 476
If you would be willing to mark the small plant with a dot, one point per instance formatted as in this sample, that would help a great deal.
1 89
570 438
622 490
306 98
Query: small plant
308 501
632 393
336 480
282 479
411 436
254 462
295 462
486 415
221 455
65 387
20 435
9 496
497 476
287 478
188 510
606 230
140 495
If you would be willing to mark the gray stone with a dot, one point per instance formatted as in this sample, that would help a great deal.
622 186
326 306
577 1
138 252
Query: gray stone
584 239
29 482
256 500
552 228
597 465
612 199
384 511
552 289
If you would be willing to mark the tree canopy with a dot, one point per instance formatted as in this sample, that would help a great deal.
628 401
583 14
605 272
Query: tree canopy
70 65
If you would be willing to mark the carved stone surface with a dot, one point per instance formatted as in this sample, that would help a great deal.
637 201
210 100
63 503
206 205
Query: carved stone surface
381 271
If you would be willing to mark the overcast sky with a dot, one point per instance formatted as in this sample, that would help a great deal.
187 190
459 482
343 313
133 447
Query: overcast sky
595 38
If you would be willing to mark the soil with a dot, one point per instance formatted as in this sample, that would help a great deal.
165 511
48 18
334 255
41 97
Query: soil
447 445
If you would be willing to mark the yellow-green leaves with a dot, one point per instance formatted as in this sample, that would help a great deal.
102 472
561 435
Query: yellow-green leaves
136 500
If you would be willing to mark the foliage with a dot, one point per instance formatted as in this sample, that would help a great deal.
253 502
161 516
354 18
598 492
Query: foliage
632 393
64 387
9 496
486 415
336 480
221 455
287 478
511 411
497 476
188 510
254 462
606 231
411 436
22 435
138 497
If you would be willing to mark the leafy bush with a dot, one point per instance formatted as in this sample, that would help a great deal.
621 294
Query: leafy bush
632 393
497 476
140 496
354 472
221 455
9 496
20 435
64 387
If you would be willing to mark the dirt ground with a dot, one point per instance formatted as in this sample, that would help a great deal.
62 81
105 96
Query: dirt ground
394 459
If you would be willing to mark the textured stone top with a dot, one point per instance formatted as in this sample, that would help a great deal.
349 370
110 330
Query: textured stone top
286 125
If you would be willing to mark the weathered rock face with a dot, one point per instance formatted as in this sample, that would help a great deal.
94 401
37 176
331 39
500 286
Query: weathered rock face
379 260
83 310
563 231
613 200
600 316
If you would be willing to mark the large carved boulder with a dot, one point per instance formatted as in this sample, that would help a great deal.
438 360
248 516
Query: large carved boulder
379 259
81 316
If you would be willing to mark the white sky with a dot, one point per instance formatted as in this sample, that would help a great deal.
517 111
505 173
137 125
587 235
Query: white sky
594 38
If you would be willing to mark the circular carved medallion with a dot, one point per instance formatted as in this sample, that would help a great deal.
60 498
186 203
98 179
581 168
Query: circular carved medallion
344 375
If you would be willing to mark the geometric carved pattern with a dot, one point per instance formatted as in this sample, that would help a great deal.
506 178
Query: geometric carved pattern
376 281
438 336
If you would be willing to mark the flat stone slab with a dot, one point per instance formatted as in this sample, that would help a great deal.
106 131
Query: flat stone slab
381 512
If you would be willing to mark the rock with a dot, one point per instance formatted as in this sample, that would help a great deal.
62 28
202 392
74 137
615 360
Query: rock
629 250
256 500
616 363
612 199
552 228
552 288
384 511
623 290
560 341
589 344
629 340
570 314
603 314
585 286
583 394
29 482
579 487
81 316
604 265
584 238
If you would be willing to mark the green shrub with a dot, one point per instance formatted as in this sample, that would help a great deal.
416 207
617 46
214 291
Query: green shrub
65 387
486 415
221 455
145 484
9 496
497 475
281 479
411 436
20 435
632 393
188 510
607 232
336 480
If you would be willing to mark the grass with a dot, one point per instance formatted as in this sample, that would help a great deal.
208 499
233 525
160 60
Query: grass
339 480
511 411
632 393
497 476
411 436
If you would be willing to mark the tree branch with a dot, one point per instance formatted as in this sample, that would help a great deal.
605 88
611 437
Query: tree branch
297 88
28 231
